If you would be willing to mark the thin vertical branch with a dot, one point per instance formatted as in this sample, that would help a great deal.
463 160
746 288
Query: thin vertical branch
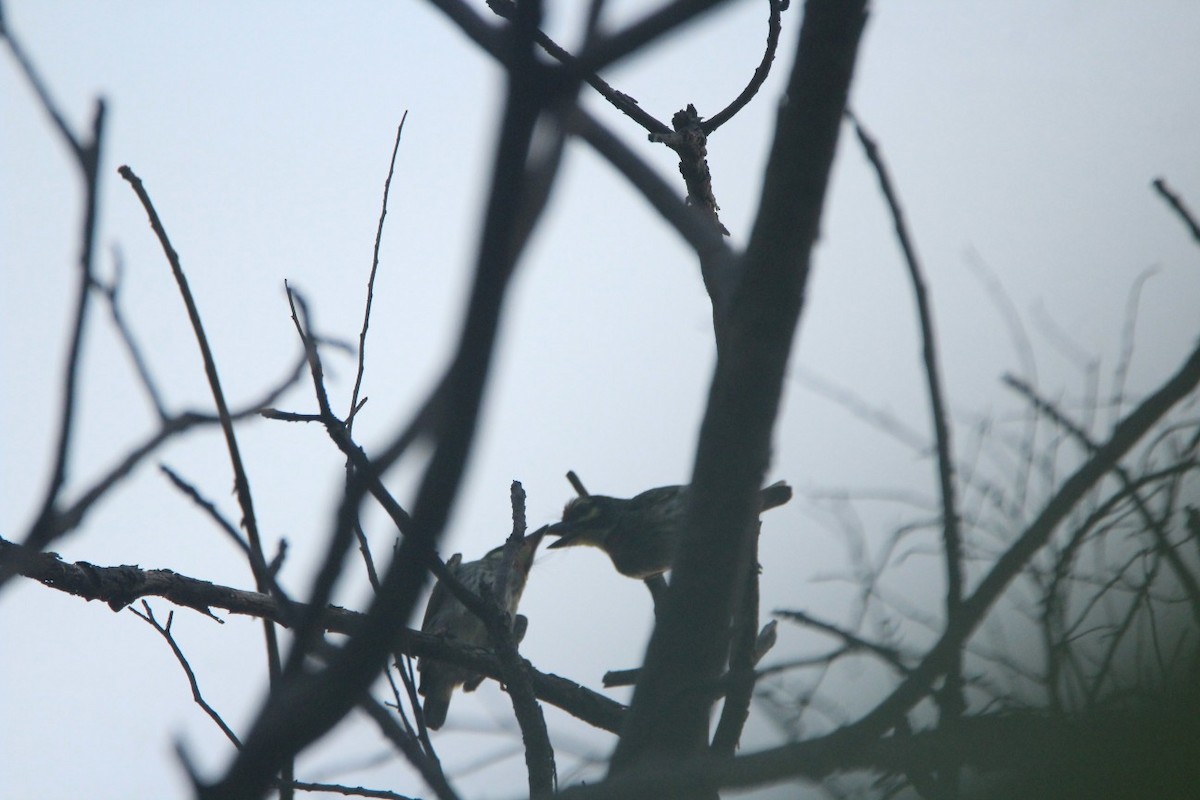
951 701
46 530
362 335
539 755
241 482
363 545
86 155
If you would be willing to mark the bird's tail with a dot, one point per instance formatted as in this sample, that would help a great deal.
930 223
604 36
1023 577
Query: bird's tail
437 702
435 709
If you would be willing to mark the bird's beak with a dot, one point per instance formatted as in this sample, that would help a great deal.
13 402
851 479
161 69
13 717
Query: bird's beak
566 536
538 534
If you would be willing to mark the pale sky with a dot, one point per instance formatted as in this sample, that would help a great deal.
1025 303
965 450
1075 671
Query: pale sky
1022 138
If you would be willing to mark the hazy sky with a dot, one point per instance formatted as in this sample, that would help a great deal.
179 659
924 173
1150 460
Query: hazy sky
1022 137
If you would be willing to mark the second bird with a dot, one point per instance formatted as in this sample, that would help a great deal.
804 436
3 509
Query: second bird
639 534
445 616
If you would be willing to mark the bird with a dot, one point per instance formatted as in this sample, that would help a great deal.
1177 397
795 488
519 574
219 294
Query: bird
639 534
445 616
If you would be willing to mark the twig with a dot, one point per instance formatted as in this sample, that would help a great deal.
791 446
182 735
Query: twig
349 791
258 564
621 101
366 475
1176 202
1190 583
111 292
760 72
576 483
362 335
430 770
539 755
1024 350
878 417
86 155
364 547
951 698
207 506
73 516
241 483
1128 331
853 642
1125 435
165 632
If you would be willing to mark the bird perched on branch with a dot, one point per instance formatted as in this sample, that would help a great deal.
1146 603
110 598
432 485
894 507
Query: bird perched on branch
497 578
639 534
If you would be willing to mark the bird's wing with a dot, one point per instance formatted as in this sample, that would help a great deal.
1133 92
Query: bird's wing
438 597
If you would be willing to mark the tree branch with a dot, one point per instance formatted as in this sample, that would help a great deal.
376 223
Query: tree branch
669 715
120 586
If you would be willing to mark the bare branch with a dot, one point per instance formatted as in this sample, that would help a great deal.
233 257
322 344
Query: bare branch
86 155
120 586
430 769
1151 523
362 335
760 72
241 482
165 632
1176 202
951 700
111 292
1126 434
623 102
852 641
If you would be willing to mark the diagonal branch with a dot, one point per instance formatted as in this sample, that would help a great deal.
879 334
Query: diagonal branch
1176 202
147 615
1190 583
241 483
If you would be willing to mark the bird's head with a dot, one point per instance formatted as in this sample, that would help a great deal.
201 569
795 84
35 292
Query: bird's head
523 559
587 520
